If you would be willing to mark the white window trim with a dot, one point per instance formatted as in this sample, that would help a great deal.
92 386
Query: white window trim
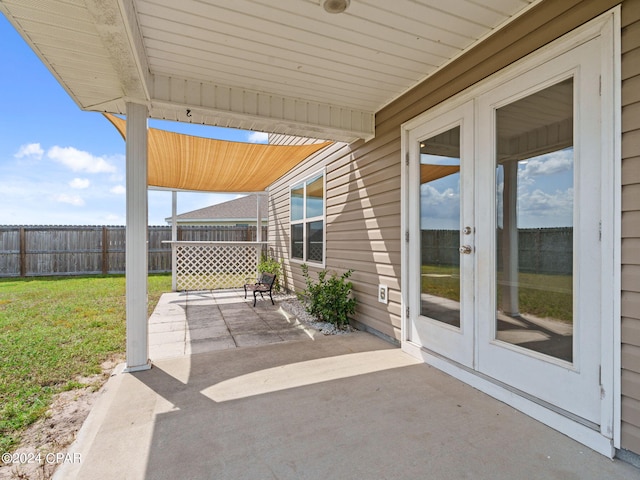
305 221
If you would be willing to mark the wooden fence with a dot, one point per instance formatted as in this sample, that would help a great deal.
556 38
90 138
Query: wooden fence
78 250
540 250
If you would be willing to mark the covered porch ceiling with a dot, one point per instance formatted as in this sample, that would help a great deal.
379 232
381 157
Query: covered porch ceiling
286 66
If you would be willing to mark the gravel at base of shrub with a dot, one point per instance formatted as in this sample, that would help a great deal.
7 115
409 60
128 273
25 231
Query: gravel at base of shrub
291 304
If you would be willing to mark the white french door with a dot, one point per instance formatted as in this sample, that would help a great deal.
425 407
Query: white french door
539 233
504 213
442 213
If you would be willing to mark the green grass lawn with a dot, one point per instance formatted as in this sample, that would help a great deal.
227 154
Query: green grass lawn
53 331
545 296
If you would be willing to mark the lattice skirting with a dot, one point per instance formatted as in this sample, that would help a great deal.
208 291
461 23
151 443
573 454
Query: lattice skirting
215 266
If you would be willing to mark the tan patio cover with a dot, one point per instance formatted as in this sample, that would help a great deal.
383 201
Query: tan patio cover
183 162
430 172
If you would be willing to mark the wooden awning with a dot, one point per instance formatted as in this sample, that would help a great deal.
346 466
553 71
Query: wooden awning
184 162
430 172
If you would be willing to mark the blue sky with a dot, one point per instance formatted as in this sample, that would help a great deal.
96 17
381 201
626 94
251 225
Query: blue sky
545 193
62 166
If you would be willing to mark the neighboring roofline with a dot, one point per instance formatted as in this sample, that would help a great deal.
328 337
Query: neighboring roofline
221 220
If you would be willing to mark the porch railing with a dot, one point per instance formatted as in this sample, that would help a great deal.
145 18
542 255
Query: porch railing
214 265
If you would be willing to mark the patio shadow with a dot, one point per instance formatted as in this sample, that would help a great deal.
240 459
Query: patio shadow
347 407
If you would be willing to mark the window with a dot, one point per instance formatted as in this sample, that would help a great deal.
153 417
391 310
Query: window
307 220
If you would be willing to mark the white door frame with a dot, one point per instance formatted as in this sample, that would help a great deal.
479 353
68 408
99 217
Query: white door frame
433 334
607 27
572 386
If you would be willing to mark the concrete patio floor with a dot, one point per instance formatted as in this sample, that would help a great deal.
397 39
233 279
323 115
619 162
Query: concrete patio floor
184 323
312 407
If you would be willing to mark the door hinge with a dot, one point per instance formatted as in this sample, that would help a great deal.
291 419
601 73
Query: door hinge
600 85
603 393
600 231
406 236
406 159
407 312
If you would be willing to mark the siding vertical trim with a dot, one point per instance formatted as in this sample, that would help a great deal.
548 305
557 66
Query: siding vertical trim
630 285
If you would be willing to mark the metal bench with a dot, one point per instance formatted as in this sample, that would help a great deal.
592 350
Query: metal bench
262 286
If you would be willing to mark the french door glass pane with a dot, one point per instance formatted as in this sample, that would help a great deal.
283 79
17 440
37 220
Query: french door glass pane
534 222
440 227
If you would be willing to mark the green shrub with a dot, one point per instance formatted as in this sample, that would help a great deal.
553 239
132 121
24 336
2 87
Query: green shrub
329 299
271 265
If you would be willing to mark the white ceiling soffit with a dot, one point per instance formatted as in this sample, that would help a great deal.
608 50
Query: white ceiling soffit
284 66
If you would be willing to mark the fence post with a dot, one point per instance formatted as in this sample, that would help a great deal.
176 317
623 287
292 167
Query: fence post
23 253
105 251
45 245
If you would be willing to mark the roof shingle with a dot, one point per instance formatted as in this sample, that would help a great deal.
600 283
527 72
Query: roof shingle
243 208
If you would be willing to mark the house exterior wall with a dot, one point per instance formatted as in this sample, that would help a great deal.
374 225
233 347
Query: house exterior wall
279 213
363 222
630 304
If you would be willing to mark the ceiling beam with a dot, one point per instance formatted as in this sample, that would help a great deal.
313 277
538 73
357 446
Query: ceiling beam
117 26
227 106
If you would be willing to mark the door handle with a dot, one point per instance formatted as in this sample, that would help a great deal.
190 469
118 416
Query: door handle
466 249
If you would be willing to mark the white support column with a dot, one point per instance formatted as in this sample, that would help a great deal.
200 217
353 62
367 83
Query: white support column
136 239
510 302
258 235
174 238
258 219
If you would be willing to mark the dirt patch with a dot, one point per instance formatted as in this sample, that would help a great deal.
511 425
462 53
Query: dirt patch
43 445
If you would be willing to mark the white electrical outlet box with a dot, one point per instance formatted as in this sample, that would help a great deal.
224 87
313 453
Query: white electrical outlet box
383 294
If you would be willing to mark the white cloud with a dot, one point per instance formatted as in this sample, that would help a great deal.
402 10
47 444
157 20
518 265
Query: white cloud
80 183
74 200
258 137
540 209
118 190
32 150
557 162
80 161
547 203
434 197
439 209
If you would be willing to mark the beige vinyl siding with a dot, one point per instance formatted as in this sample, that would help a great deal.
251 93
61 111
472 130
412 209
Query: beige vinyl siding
363 228
630 431
279 214
362 224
